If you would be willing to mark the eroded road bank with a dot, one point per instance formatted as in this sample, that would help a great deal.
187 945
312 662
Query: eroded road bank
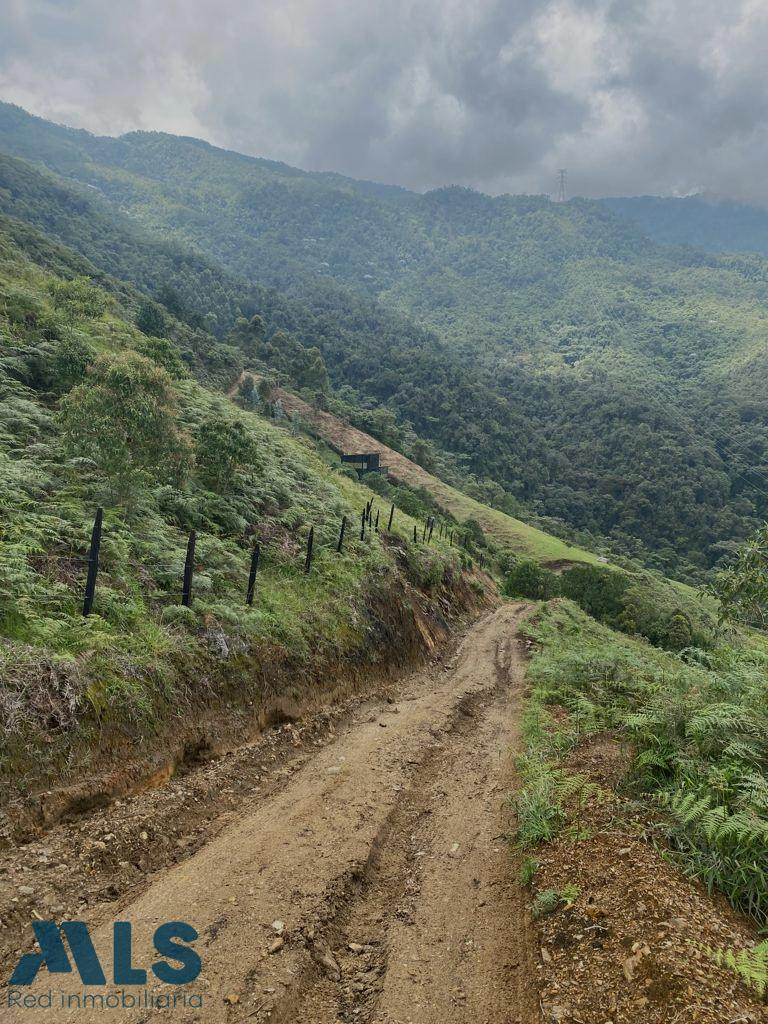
376 885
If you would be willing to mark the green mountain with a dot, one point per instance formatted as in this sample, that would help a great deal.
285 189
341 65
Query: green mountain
716 225
575 368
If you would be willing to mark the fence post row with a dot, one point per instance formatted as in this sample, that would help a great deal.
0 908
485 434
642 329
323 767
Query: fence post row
310 545
93 563
189 568
340 545
255 555
189 561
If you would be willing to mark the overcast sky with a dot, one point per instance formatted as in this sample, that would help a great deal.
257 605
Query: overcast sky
632 96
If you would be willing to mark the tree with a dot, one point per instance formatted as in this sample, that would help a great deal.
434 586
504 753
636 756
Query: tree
678 632
165 353
79 298
248 335
423 454
150 319
527 579
246 390
70 362
742 587
224 447
599 592
123 418
474 533
309 369
266 389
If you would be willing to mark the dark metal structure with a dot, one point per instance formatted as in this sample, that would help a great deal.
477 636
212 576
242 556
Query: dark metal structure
366 462
189 569
93 563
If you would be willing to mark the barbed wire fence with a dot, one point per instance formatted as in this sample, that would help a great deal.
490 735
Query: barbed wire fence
369 527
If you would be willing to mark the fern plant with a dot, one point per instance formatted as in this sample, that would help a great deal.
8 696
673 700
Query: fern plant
751 965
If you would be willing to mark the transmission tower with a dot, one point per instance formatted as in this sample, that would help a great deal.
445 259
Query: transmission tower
562 180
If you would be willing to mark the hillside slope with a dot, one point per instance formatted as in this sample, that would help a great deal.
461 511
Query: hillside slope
505 531
715 225
552 348
93 413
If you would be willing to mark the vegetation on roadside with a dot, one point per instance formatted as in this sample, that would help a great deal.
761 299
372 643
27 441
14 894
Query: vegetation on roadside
696 723
637 603
93 412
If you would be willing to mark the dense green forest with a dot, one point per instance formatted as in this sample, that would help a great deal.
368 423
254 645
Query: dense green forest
557 359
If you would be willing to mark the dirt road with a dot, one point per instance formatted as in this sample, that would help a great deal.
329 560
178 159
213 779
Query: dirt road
377 885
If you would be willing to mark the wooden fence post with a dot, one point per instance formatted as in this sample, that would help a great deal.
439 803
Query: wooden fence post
93 562
310 545
391 514
340 545
376 526
189 569
362 525
415 540
255 555
431 528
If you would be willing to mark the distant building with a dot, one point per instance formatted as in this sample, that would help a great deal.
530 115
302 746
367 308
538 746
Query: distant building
369 462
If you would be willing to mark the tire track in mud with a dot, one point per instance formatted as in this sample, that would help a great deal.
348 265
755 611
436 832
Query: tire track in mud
384 858
439 930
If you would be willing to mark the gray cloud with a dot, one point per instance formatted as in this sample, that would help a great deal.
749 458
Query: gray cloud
632 96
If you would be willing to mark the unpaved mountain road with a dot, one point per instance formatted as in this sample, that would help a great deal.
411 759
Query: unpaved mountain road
385 858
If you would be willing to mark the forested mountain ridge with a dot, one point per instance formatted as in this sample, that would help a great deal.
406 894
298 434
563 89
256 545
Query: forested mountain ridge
594 375
699 221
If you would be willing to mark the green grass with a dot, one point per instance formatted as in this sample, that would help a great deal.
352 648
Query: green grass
504 530
140 657
697 723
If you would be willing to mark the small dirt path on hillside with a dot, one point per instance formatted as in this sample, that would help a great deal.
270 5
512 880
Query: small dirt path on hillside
385 862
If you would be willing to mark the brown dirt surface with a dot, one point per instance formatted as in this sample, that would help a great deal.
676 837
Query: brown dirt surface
628 950
356 865
383 852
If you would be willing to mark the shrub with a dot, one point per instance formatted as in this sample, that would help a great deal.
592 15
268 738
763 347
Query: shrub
527 579
124 420
70 362
600 592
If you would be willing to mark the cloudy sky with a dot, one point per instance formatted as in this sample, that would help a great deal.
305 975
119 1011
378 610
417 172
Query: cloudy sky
631 96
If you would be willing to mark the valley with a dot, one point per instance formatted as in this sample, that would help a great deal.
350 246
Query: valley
500 758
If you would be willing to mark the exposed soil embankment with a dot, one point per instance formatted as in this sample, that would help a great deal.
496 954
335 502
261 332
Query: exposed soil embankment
228 696
363 877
